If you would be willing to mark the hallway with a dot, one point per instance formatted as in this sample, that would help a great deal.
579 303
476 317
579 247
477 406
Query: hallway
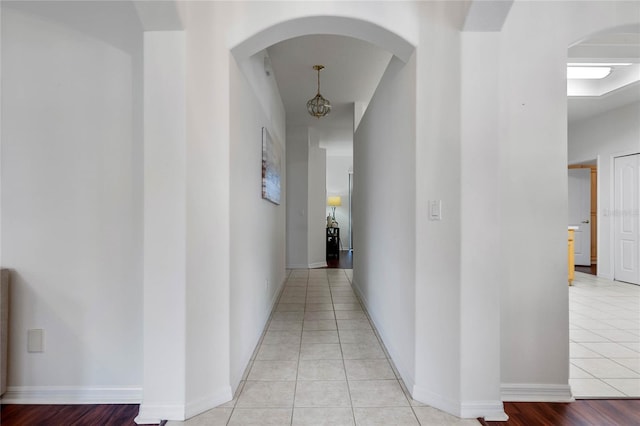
320 361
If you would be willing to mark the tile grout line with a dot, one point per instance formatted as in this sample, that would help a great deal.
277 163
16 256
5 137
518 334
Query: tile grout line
295 386
346 377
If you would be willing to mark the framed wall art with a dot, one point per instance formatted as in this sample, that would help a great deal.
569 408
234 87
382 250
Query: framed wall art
271 168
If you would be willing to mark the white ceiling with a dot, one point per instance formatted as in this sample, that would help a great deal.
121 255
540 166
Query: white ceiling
353 69
619 47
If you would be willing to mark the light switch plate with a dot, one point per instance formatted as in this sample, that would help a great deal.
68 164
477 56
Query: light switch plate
35 340
435 210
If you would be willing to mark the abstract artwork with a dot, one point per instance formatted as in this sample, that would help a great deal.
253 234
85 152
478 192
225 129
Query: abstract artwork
271 168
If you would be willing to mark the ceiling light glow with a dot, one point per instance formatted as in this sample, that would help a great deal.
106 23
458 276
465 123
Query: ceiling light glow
587 73
598 64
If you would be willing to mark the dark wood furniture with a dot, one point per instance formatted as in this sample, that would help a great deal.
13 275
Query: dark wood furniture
333 243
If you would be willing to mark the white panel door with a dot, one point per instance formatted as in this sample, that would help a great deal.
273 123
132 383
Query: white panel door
580 212
627 219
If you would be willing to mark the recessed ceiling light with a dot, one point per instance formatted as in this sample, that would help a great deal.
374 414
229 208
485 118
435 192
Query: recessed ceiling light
587 73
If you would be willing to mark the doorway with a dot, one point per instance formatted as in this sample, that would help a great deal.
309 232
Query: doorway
583 214
627 219
603 310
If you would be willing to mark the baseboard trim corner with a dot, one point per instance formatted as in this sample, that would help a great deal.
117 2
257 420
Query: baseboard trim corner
427 397
207 403
491 411
154 414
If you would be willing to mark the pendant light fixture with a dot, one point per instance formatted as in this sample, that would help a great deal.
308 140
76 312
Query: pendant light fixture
318 106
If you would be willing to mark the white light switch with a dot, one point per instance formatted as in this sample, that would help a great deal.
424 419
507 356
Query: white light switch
435 210
35 340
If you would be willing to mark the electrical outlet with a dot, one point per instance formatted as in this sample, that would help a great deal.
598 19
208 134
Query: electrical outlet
35 340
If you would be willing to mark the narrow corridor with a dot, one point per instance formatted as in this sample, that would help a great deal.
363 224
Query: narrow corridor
320 362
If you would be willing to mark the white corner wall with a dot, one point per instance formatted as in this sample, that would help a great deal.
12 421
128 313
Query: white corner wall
72 199
257 225
208 213
297 193
534 206
306 199
165 278
437 159
603 137
316 202
384 212
481 230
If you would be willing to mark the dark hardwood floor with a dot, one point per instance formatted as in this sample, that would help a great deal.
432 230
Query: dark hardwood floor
593 412
68 415
593 269
344 260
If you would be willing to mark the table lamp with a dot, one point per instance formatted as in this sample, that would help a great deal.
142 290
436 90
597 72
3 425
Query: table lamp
334 202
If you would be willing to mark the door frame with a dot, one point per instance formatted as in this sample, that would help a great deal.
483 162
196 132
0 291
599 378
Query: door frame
593 214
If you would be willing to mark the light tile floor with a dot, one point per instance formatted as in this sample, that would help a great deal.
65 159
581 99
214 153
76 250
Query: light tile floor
320 362
604 319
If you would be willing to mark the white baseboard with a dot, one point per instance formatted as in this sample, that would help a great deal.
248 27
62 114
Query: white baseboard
207 403
491 411
534 392
153 414
298 266
307 266
72 395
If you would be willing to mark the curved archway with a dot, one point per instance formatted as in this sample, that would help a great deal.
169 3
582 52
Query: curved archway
627 28
335 25
403 59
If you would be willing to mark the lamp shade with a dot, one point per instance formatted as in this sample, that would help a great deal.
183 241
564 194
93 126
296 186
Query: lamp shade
334 201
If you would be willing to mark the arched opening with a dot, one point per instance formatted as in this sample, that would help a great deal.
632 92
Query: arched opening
336 25
382 165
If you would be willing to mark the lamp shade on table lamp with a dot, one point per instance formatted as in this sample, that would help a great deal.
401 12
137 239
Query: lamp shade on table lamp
334 202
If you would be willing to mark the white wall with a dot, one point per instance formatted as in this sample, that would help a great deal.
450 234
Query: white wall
164 222
614 133
384 268
534 200
257 225
297 193
208 150
72 198
338 167
480 223
437 159
306 195
316 202
534 205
